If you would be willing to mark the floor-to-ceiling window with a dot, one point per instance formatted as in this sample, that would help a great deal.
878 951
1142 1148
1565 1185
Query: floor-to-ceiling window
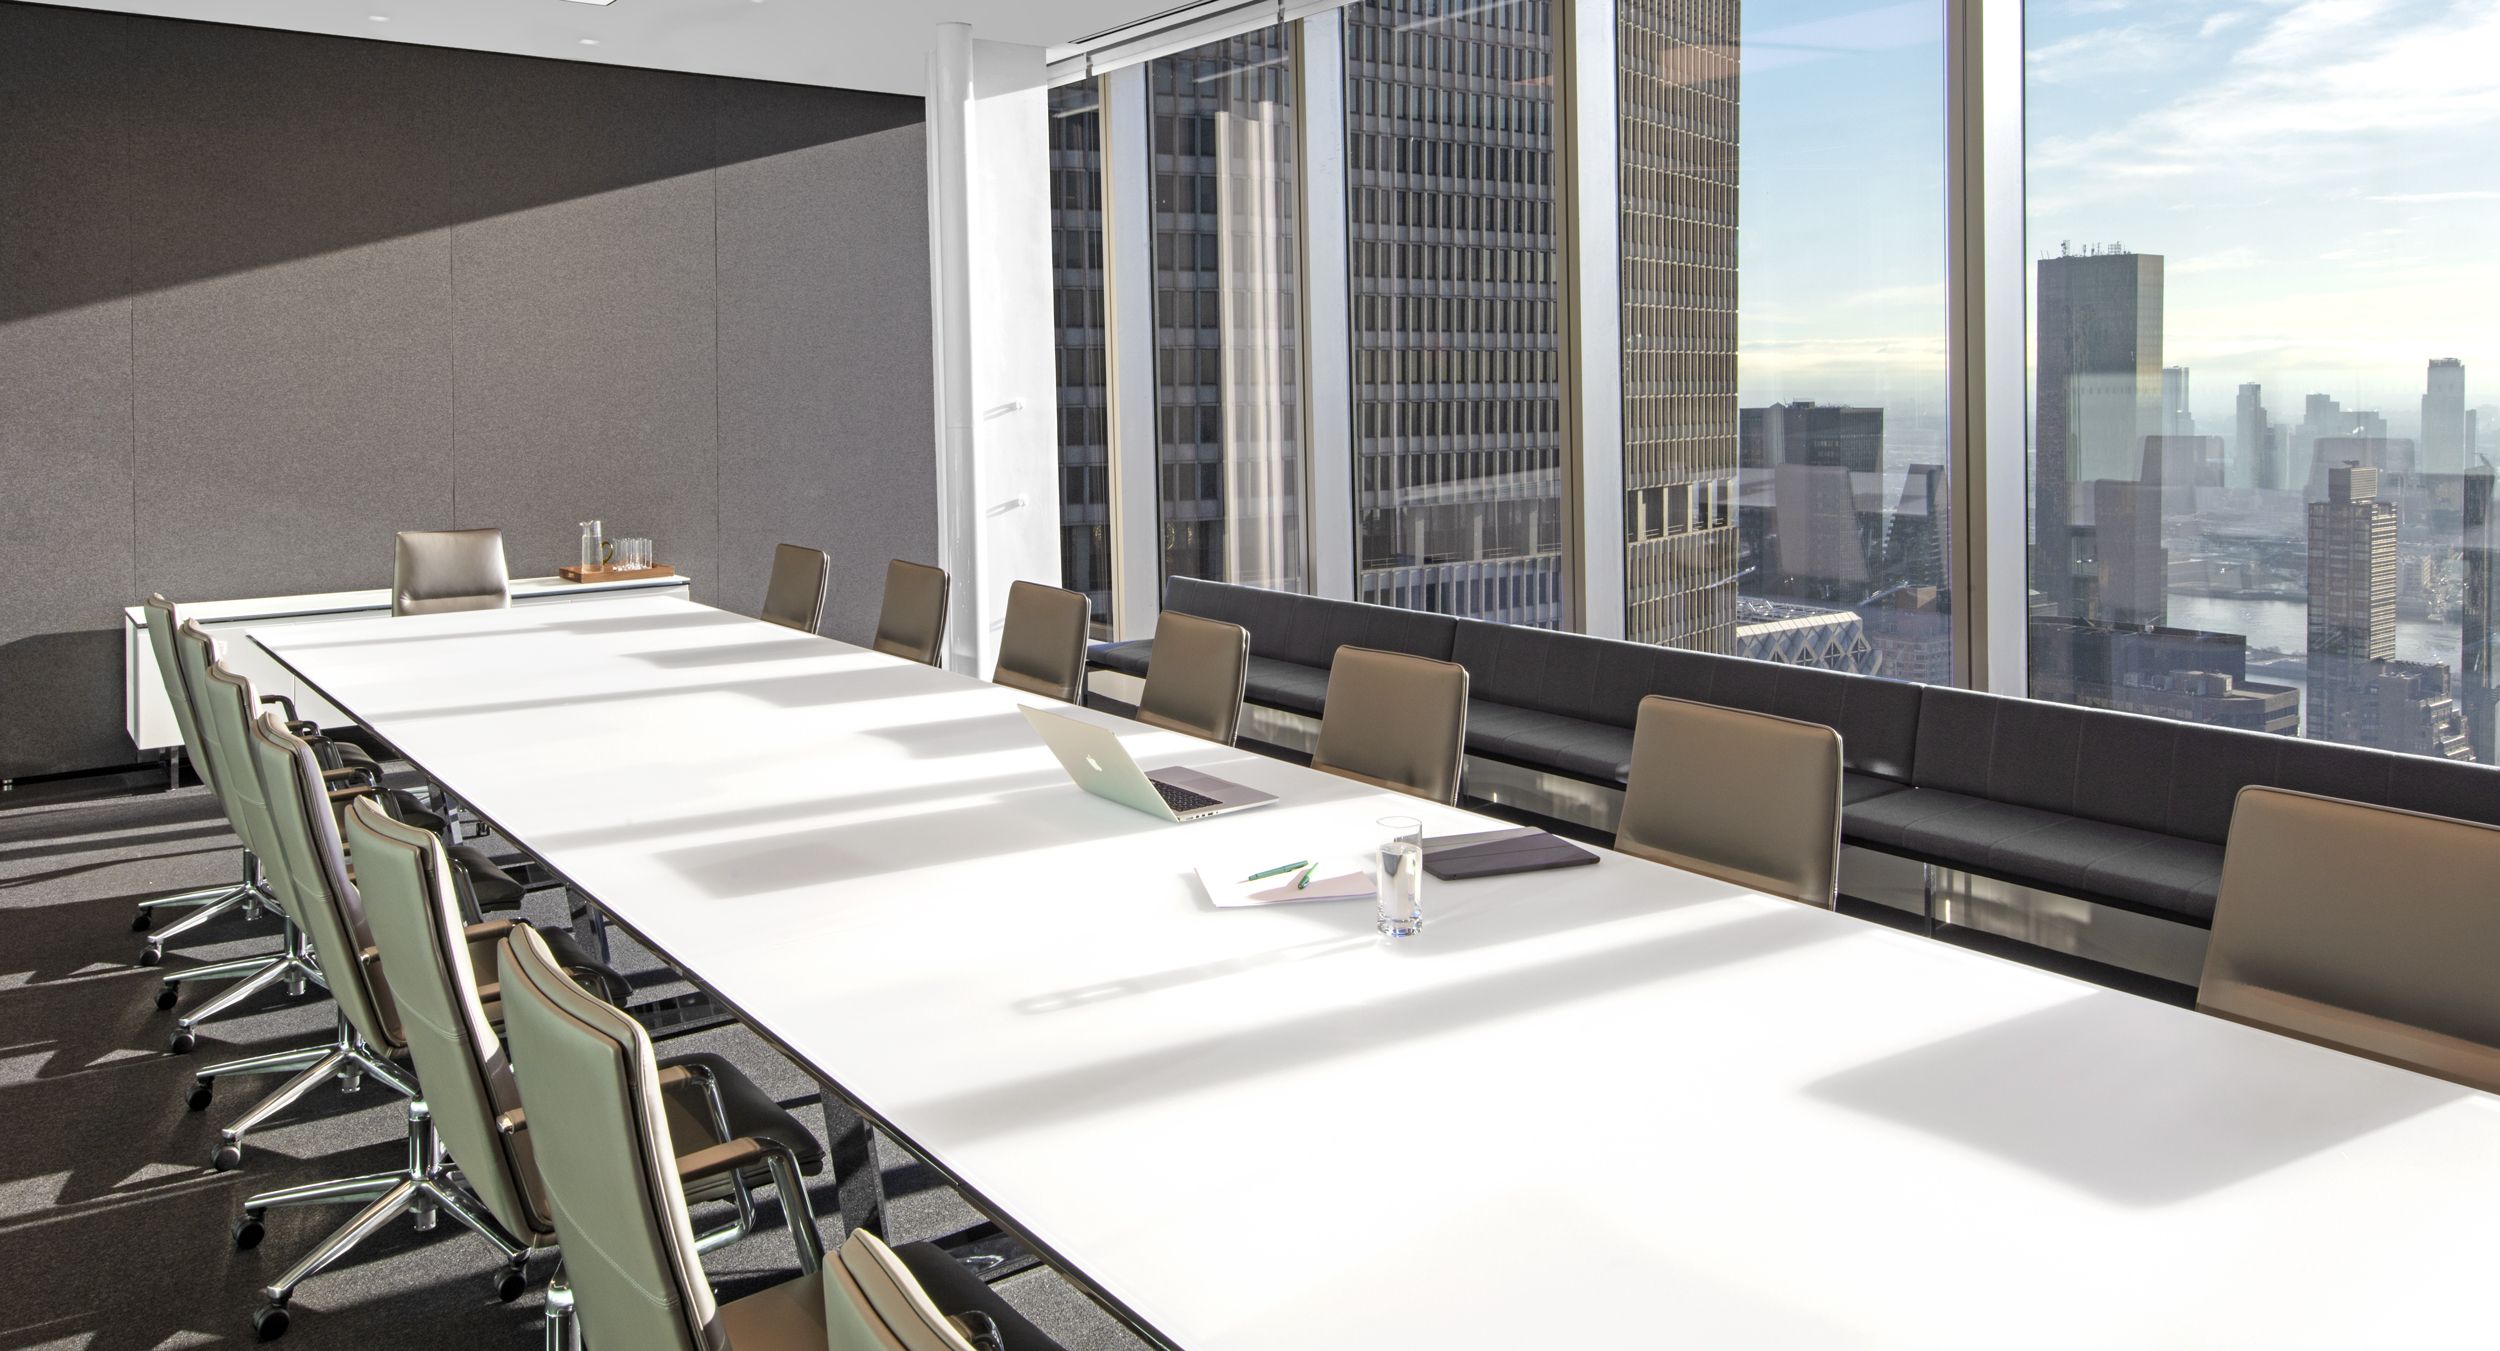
1781 186
2264 278
1083 349
1228 311
1455 306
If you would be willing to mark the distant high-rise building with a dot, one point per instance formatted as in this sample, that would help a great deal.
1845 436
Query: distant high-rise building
1084 383
2352 600
1918 533
2479 683
2133 568
2187 674
2098 393
2180 465
1456 300
1675 174
2176 418
2252 443
2444 438
2393 457
1811 433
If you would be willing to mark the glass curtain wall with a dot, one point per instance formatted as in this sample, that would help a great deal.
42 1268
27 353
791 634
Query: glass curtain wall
1083 350
2263 280
1456 306
1228 311
1785 456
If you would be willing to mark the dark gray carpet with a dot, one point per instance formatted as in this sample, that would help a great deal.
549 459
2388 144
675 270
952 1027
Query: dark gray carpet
114 1232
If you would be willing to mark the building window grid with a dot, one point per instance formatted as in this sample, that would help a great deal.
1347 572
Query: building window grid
1080 332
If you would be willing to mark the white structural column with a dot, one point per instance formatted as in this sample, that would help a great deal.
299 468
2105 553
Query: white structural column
1594 479
990 297
1328 380
1986 276
1129 296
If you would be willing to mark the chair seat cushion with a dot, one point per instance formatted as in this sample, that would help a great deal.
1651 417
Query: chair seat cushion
750 1110
952 1287
1287 685
789 1316
491 887
2132 869
1593 751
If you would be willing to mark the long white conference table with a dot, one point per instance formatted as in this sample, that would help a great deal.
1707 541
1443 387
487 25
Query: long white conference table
1612 1106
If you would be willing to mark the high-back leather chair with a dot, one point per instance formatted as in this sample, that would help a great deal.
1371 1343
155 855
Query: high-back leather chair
440 571
1041 648
2364 928
1195 680
1394 720
795 596
1743 797
911 623
163 617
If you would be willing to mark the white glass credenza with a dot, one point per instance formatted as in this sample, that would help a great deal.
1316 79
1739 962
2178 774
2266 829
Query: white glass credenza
150 719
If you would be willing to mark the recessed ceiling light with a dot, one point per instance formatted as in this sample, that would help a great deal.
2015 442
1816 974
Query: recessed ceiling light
379 18
590 42
594 2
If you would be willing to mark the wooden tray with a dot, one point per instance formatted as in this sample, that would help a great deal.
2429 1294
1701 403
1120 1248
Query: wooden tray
575 573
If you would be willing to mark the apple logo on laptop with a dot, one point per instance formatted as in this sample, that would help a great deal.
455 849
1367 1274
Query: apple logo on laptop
1093 764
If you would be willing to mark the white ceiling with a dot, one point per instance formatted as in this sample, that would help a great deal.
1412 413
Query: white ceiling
849 44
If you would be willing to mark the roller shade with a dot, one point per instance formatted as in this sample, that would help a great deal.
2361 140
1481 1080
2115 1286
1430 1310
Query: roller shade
1175 30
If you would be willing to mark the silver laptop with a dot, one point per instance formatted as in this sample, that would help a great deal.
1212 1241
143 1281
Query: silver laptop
1093 756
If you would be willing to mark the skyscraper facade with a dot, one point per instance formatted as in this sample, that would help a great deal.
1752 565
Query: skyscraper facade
2097 394
2444 440
2478 682
2252 443
1455 280
2352 601
2176 418
1083 354
1228 304
1805 432
1676 173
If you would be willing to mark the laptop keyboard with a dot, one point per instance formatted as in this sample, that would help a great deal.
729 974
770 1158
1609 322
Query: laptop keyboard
1181 799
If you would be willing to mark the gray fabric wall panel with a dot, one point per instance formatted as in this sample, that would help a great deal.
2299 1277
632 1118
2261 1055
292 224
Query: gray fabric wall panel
267 297
64 395
824 422
585 331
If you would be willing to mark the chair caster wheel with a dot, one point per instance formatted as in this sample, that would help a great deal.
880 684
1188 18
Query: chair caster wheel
248 1232
139 923
151 955
270 1322
227 1158
201 1094
509 1286
181 1043
167 997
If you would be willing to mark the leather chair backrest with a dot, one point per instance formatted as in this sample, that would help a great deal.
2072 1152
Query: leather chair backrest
1041 649
440 571
795 596
911 623
2360 927
874 1303
163 618
591 1087
414 910
1195 679
1395 721
313 869
227 704
1743 797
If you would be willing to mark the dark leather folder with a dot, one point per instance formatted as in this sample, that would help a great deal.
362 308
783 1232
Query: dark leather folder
1494 853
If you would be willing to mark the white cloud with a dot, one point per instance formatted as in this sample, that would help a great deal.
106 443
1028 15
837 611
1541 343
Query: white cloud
2434 198
2222 22
2103 51
2227 260
1924 293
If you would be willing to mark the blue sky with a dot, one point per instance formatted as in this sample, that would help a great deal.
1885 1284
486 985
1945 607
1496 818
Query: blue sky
2322 176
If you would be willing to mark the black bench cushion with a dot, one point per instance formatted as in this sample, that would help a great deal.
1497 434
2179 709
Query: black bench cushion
1594 751
2134 869
1127 658
1288 685
1307 630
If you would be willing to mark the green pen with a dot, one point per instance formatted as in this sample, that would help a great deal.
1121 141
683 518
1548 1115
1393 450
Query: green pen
1281 868
1305 879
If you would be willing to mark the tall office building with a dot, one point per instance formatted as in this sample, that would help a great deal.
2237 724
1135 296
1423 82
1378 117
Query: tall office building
1083 355
2132 570
2098 393
1456 303
1805 432
1228 301
2176 417
1676 83
2352 600
2478 684
2252 443
2445 440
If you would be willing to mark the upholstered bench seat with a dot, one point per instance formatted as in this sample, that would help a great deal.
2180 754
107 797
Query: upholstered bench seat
1594 751
2132 869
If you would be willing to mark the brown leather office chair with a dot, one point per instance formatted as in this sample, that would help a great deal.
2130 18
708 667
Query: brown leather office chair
1743 797
1394 721
1041 649
911 623
1196 677
440 571
2364 928
795 596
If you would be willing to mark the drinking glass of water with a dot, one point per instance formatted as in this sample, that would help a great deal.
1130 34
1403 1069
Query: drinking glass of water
1401 876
